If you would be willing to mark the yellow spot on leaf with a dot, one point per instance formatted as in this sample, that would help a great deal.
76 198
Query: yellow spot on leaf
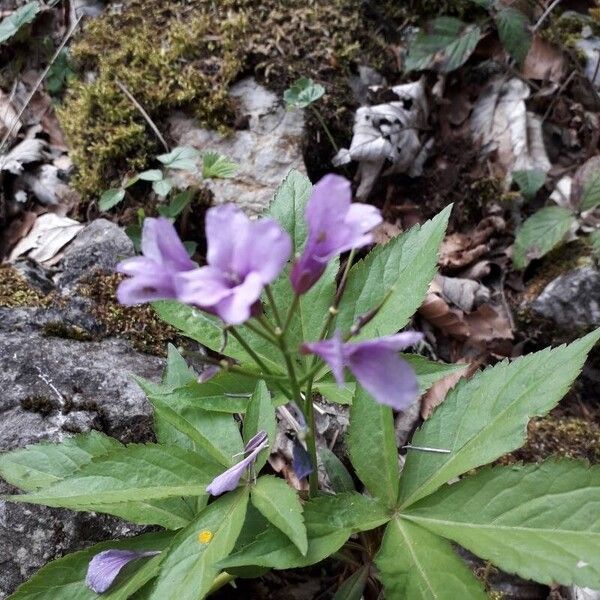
205 536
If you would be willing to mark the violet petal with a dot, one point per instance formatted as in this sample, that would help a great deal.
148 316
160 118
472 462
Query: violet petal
301 463
105 566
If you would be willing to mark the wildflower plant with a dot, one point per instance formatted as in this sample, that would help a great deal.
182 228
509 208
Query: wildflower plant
283 325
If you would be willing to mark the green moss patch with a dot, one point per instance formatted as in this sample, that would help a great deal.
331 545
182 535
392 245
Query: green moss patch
16 292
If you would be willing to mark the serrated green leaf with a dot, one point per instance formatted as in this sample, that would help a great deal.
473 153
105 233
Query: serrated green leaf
302 93
218 166
354 586
280 505
445 45
39 465
136 472
288 206
529 181
260 416
188 568
514 32
111 198
215 435
182 157
372 447
486 417
10 25
400 272
330 520
416 564
590 196
208 330
540 233
177 372
339 478
64 578
539 521
151 175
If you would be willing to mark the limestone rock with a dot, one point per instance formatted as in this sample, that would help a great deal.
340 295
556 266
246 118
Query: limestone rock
265 151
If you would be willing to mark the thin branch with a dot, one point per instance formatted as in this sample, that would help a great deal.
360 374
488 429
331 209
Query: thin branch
144 114
38 83
545 14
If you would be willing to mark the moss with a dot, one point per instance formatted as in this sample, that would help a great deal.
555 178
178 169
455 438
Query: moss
184 54
66 331
139 324
565 31
565 437
16 292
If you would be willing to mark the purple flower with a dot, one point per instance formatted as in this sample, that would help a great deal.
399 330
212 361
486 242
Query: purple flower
375 364
243 256
230 479
301 463
153 275
105 566
334 226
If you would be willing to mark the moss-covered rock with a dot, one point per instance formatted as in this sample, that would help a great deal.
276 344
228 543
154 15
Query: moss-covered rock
184 54
16 292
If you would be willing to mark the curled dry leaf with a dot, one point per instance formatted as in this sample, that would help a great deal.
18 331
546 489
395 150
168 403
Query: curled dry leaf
466 294
501 123
449 320
544 61
388 132
28 151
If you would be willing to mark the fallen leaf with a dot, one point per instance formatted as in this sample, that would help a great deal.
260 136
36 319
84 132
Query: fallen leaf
488 323
437 393
544 61
448 320
28 151
9 119
465 294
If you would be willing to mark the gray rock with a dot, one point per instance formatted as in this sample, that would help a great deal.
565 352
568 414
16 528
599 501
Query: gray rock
100 246
582 593
265 151
572 299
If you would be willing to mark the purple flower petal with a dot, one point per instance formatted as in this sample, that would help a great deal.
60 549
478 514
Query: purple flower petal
237 306
229 480
334 226
332 352
105 566
301 463
225 226
153 275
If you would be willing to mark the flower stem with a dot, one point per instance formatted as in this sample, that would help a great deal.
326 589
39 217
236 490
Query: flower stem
311 439
290 313
260 332
325 128
273 305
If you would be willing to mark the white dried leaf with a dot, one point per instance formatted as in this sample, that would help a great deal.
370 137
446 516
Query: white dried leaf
28 151
49 234
44 183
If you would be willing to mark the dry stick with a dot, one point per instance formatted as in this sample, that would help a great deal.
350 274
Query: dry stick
39 82
144 114
545 14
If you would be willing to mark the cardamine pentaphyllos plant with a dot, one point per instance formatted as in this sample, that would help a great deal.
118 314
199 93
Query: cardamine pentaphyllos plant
269 301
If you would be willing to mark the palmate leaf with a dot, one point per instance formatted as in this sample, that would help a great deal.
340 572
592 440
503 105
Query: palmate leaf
486 417
372 447
182 158
65 577
399 272
303 93
218 166
133 473
414 563
444 46
280 504
539 521
330 520
188 567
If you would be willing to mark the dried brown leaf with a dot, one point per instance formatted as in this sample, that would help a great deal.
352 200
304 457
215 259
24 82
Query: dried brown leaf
544 61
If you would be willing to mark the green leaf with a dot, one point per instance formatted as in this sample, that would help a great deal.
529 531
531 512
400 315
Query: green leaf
260 416
444 46
217 166
111 198
177 371
330 520
416 564
595 242
40 465
162 187
539 521
540 233
182 157
339 478
529 181
208 330
302 93
354 586
134 473
176 206
64 578
399 272
10 25
590 196
189 568
215 435
288 206
372 447
486 417
151 175
280 504
514 32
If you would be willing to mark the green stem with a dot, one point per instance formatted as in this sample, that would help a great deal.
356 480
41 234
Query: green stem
325 128
260 332
290 313
247 373
273 305
311 440
219 581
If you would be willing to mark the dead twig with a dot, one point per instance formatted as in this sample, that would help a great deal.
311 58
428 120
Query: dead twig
39 82
545 14
144 114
